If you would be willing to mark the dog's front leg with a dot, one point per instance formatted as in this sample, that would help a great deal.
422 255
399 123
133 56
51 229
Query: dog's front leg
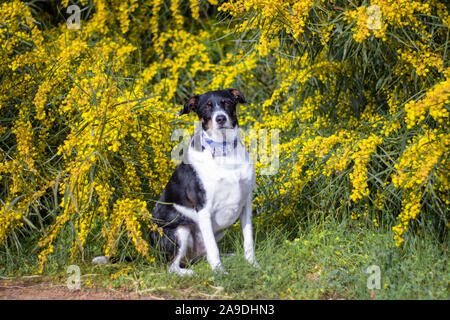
212 250
247 232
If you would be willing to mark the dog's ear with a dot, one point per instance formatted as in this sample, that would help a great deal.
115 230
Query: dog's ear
190 105
239 96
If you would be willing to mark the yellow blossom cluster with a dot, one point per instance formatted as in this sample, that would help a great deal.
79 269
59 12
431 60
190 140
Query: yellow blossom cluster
422 61
361 158
411 209
374 19
435 102
293 13
414 168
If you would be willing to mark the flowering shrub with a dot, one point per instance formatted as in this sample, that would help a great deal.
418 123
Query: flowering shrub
364 93
359 92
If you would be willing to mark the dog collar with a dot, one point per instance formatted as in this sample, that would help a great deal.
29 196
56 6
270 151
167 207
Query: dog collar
219 149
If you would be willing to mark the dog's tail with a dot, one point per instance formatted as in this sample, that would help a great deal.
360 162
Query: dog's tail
100 260
105 260
165 244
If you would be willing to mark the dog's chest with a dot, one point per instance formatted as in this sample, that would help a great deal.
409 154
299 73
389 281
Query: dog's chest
231 191
227 190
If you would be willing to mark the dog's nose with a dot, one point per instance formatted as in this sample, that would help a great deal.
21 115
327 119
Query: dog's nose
221 119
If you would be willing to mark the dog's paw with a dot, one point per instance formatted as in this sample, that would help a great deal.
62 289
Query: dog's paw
182 271
220 270
253 262
186 272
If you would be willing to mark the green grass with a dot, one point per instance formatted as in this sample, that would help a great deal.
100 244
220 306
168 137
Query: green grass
325 261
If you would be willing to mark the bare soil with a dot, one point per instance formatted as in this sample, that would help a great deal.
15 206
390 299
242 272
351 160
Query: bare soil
30 289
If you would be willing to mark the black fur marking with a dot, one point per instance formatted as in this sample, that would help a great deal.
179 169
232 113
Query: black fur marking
184 188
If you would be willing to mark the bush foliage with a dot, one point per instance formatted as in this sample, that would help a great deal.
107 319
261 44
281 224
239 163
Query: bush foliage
357 92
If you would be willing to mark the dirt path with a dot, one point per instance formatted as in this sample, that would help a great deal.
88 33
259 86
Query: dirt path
33 290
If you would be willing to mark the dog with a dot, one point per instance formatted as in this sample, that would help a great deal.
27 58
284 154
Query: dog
209 190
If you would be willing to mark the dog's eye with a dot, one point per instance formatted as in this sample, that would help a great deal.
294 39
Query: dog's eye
208 106
225 103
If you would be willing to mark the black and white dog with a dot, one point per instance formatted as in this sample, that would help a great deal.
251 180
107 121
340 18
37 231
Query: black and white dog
210 189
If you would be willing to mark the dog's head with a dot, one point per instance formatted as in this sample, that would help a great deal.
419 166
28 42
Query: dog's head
216 109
